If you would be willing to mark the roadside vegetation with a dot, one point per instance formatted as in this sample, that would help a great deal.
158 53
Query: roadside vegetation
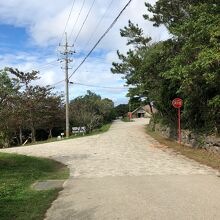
187 65
17 199
127 119
200 155
121 110
102 129
91 111
30 113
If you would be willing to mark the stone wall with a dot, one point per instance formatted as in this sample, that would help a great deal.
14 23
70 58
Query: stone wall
189 138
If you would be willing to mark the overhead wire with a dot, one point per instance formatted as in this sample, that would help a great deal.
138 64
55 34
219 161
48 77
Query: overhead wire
67 22
98 24
80 11
95 86
100 39
56 83
42 67
98 58
90 9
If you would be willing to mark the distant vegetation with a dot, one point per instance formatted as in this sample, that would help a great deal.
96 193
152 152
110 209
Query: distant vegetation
29 112
91 111
121 110
187 65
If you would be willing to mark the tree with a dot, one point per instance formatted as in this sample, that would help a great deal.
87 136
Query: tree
26 107
121 110
186 65
91 111
195 67
53 115
8 89
106 107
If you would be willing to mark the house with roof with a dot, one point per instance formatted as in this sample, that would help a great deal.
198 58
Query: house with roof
143 112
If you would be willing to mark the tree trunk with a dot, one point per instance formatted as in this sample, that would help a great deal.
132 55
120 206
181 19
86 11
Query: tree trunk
20 136
33 134
50 133
151 109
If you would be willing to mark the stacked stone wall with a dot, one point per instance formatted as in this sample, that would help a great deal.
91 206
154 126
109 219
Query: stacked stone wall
209 142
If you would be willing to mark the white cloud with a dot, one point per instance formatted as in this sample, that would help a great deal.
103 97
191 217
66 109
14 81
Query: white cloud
44 22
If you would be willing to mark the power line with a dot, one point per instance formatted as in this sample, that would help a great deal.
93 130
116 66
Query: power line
100 39
53 62
99 22
99 58
54 84
42 66
95 86
90 9
77 18
71 10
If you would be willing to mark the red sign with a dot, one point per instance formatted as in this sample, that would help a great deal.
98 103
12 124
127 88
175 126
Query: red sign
177 103
130 115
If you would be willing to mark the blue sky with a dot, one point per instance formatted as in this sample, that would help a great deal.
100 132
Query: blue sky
12 39
30 33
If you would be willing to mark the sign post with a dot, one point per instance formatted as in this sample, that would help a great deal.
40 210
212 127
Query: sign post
130 115
178 103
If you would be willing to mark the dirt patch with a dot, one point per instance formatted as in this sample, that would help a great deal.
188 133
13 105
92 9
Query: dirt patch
48 184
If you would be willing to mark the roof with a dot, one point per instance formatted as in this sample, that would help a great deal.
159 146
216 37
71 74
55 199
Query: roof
140 107
146 108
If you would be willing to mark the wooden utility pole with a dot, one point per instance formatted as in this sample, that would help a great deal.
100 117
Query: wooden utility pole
66 54
67 87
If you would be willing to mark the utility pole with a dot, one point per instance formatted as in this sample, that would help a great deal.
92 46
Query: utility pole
65 58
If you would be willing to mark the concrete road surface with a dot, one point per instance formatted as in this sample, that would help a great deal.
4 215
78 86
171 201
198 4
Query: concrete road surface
122 175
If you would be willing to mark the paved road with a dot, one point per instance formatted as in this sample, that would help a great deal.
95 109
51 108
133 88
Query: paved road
122 175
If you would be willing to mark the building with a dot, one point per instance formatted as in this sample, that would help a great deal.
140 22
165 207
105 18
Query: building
143 112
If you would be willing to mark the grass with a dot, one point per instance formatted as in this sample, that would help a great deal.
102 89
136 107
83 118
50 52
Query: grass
100 130
202 156
126 119
17 199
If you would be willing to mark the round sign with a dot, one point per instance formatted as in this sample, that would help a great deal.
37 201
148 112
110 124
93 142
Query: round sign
177 103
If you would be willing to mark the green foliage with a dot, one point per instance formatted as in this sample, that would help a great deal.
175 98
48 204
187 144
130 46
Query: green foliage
186 66
121 110
25 107
91 111
8 91
18 173
127 119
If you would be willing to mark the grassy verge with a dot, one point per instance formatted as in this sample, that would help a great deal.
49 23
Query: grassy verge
17 199
126 119
103 129
200 155
100 130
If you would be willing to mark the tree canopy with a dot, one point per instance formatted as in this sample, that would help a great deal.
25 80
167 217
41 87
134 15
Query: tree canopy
91 111
26 108
187 65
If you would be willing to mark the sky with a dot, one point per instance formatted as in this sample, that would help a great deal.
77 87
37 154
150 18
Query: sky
31 30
